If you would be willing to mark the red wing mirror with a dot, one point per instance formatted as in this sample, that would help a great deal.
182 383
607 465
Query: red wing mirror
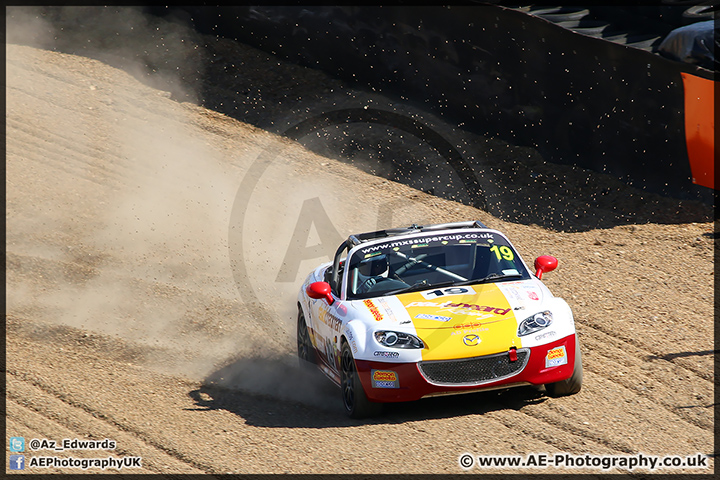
320 290
545 263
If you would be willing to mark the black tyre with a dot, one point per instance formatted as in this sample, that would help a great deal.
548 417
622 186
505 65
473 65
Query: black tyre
305 349
573 384
354 399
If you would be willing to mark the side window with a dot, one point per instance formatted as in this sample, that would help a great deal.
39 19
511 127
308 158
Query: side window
336 287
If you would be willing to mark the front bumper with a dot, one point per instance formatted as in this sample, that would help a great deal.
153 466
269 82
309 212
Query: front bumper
400 382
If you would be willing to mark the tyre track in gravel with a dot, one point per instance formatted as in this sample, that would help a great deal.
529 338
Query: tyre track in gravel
88 169
67 421
553 416
22 384
114 171
631 370
560 433
107 102
587 424
648 353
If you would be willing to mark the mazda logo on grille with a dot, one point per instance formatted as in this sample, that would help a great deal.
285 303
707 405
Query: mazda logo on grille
471 340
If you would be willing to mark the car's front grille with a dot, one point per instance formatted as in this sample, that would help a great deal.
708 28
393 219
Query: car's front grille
474 371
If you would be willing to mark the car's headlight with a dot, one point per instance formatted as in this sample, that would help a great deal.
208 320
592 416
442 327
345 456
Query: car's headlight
535 323
398 339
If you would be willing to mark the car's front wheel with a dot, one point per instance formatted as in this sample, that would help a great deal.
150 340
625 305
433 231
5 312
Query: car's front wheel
354 399
305 349
573 384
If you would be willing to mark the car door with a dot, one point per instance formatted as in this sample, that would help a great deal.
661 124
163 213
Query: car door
330 325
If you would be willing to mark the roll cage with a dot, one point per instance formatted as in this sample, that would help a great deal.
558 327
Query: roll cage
334 274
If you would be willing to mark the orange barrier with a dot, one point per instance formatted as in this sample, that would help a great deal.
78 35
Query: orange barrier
700 128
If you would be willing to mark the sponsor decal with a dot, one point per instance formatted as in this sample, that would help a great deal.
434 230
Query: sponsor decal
466 308
471 340
423 304
425 241
511 291
545 335
387 354
332 354
388 310
518 293
477 308
373 309
468 328
388 375
351 339
382 384
426 316
384 379
329 319
479 315
556 357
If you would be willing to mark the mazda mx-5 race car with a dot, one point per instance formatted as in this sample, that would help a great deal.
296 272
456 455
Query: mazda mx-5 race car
414 312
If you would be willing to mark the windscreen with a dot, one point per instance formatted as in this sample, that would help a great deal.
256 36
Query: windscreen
395 266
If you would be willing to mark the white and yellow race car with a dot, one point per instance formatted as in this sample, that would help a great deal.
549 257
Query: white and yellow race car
415 312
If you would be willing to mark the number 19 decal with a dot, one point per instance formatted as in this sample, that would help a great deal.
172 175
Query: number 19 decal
503 252
445 292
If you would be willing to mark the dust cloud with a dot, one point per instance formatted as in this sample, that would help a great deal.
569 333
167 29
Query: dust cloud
118 213
162 53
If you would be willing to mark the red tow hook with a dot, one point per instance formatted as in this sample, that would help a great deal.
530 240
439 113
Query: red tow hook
512 353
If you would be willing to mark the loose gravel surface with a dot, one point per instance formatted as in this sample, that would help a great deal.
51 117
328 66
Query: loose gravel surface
155 247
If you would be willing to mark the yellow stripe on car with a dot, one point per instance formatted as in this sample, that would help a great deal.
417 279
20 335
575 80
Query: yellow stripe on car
460 325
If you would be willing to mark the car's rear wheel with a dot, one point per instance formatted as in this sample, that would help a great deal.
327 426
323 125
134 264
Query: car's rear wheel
573 384
305 349
354 399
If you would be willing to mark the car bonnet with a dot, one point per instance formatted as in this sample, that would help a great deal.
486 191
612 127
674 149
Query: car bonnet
460 322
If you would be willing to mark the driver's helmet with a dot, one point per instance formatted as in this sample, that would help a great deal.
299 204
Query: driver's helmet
374 267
